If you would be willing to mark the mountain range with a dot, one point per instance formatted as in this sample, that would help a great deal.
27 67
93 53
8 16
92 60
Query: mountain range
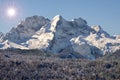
60 36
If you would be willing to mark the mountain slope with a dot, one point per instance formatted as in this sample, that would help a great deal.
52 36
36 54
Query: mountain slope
115 56
26 29
62 36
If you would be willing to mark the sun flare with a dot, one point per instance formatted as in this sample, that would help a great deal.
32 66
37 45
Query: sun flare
11 12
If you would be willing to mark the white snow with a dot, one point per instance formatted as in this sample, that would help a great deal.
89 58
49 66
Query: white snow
8 44
59 35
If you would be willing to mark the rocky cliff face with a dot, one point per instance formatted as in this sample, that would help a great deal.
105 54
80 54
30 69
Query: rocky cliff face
26 29
60 36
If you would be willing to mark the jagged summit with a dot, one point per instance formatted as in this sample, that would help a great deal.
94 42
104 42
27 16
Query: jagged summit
57 17
99 31
60 36
80 21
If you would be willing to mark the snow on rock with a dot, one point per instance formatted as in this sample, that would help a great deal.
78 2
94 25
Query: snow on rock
105 44
40 41
117 37
61 36
99 31
97 28
56 35
26 29
80 46
8 44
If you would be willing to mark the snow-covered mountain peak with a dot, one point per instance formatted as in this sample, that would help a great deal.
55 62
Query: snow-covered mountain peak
57 21
26 29
34 22
60 36
57 17
72 27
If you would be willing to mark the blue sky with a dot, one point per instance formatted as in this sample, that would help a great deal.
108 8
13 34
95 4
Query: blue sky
96 12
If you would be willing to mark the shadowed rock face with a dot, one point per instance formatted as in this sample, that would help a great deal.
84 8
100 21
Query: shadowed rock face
26 29
61 36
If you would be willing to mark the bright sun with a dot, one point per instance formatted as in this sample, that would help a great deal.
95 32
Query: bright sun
11 12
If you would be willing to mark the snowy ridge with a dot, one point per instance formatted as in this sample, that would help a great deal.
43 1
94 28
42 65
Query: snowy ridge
60 36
